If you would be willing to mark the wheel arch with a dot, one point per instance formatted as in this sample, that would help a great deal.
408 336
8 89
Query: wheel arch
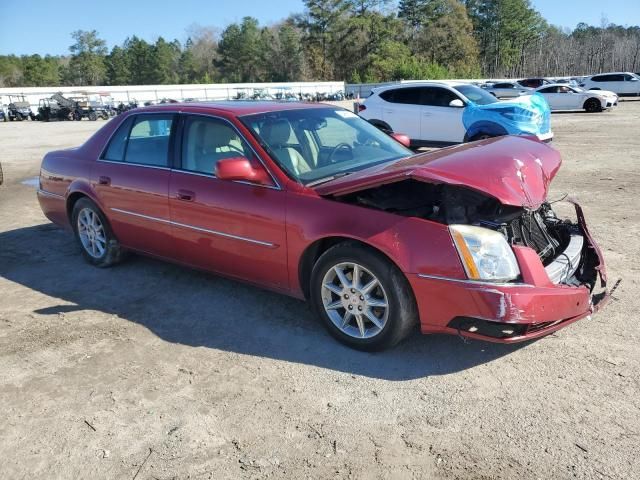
487 127
312 253
77 190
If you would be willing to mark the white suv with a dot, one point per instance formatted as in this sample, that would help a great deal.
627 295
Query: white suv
622 83
431 113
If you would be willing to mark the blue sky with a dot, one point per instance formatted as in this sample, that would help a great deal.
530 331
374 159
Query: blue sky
43 26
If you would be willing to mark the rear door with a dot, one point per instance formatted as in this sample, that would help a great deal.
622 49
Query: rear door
401 110
440 122
631 84
231 227
132 181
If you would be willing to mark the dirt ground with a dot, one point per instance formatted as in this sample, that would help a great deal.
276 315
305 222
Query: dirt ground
153 371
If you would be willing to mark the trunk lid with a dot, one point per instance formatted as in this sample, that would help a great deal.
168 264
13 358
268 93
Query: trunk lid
515 170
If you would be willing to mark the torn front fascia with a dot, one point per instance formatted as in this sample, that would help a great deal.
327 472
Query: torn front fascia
590 245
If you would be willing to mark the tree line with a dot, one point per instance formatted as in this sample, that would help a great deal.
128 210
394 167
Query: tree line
352 40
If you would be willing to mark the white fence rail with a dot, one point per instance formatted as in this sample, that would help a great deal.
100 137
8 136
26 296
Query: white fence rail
154 93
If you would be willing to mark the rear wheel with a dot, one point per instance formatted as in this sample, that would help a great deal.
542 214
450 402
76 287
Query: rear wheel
98 243
92 116
362 298
592 105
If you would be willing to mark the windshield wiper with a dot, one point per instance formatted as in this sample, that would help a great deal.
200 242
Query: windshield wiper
328 179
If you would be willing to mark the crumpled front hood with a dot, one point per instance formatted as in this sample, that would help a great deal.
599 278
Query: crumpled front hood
515 170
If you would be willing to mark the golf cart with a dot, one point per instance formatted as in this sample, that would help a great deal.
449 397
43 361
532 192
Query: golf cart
86 108
19 109
50 110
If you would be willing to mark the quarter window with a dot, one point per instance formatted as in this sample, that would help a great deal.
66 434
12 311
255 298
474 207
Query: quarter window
118 143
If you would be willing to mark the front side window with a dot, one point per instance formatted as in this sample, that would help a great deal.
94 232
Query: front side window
315 144
476 94
208 140
437 97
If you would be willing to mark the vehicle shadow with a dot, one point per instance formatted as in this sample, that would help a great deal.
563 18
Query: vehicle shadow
193 308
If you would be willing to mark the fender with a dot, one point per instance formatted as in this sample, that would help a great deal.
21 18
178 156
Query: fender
416 245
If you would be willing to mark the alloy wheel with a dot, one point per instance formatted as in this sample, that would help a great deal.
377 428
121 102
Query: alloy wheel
355 300
91 232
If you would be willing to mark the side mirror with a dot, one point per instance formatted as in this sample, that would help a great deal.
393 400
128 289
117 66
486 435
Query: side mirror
457 103
402 139
240 168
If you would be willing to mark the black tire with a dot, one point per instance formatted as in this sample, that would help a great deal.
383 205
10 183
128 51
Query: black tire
593 105
480 136
112 253
92 116
402 314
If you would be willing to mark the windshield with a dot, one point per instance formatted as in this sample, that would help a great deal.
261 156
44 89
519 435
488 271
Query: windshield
476 95
318 144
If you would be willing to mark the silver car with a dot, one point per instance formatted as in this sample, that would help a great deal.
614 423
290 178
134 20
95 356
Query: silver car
507 89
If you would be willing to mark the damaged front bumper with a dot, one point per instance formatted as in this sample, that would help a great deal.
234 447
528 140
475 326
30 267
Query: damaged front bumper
545 300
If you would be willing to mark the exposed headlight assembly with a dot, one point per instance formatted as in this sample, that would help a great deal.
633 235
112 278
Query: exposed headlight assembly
485 253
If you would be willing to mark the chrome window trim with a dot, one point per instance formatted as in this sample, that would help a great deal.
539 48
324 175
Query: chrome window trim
475 282
199 229
157 167
244 139
206 175
50 194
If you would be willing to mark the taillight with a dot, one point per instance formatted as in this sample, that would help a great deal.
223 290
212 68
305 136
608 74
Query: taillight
361 107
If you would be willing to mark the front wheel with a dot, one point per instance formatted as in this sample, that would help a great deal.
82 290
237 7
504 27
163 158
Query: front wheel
362 298
593 105
99 245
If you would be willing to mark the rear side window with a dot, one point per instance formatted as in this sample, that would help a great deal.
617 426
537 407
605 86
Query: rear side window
608 78
402 95
142 140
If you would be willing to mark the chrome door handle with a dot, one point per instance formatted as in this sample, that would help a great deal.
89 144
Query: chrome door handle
104 180
186 195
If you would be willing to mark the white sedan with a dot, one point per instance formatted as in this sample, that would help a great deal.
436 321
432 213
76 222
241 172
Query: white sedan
566 97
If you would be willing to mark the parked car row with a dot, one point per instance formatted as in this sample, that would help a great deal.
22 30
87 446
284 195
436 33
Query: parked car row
440 114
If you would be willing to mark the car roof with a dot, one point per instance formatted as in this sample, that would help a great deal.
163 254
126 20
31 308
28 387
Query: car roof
235 107
610 73
425 83
547 85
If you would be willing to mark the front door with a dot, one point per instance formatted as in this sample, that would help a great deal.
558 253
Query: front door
234 228
440 122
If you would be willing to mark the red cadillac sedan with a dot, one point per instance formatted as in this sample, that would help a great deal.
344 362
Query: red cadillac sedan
314 202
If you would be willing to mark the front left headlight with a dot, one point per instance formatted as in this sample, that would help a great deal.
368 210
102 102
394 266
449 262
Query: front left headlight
485 254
